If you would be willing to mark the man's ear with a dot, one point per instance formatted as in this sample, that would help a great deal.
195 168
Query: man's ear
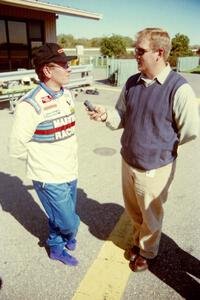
161 52
47 71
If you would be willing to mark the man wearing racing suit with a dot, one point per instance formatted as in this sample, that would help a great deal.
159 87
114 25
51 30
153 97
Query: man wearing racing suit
43 134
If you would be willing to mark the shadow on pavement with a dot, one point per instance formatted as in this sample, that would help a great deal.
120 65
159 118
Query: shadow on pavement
101 218
174 266
16 200
177 268
1 283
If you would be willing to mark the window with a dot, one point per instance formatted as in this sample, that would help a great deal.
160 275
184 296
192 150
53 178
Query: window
4 61
35 34
35 31
17 32
18 44
17 39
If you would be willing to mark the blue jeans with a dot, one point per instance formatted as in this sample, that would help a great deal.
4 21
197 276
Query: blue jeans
59 202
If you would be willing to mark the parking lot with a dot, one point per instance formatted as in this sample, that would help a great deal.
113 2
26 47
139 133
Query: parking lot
103 273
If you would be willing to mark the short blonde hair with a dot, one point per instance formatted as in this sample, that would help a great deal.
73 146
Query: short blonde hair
158 38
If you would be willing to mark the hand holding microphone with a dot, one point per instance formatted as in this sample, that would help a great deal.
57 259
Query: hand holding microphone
89 105
96 113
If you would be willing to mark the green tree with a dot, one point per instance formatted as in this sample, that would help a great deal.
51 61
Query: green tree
83 41
66 40
180 48
129 41
95 42
113 46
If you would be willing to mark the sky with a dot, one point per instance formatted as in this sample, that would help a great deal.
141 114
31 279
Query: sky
127 17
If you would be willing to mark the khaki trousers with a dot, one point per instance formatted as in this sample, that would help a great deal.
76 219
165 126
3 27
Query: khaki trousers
144 194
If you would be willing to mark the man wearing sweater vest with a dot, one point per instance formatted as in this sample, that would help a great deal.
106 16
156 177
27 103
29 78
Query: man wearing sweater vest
43 135
158 112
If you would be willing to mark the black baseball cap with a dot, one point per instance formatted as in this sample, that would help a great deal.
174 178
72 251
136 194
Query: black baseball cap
49 52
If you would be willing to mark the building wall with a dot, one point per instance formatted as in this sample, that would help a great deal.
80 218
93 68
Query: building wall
23 13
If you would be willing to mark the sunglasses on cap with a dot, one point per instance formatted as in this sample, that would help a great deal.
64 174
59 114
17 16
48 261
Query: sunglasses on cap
59 65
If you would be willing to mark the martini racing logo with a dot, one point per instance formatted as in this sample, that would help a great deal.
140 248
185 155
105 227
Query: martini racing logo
55 130
66 127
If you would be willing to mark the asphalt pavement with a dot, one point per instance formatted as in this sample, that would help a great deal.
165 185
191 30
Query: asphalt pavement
27 273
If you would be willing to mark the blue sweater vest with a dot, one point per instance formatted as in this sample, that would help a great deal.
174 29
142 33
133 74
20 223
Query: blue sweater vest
150 137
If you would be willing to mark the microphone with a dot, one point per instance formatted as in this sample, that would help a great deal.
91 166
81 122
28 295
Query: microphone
89 105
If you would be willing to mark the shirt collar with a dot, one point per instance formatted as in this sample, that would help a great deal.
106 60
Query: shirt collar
161 77
52 93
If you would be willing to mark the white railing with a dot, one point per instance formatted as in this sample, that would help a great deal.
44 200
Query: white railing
81 75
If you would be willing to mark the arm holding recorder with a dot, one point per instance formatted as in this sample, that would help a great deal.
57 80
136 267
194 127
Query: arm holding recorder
96 113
